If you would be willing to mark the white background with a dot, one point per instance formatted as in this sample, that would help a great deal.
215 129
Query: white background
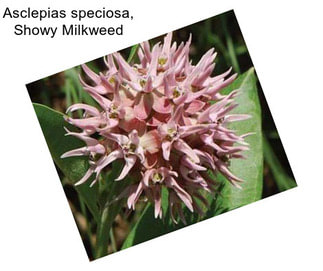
283 232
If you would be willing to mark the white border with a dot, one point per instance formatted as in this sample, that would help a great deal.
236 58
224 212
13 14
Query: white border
279 233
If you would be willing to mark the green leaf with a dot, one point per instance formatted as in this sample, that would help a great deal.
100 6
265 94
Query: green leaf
147 226
52 124
251 168
133 51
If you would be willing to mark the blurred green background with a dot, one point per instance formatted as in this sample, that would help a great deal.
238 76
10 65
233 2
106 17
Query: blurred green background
222 32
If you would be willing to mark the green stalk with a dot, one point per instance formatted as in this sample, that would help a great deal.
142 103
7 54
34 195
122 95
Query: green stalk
113 241
108 216
283 181
110 209
88 224
230 45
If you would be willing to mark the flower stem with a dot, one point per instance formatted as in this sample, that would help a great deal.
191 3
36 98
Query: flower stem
110 210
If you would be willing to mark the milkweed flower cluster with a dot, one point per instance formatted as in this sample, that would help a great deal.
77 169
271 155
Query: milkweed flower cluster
166 119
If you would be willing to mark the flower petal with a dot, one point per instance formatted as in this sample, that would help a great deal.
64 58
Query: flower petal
134 196
105 161
181 193
183 147
157 201
91 74
85 177
130 162
130 122
161 105
186 161
76 152
120 139
194 106
143 105
87 108
166 146
236 117
150 141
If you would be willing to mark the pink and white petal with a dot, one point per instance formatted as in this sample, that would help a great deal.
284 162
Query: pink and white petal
88 123
127 96
85 177
208 140
225 110
181 99
166 147
221 76
129 125
141 154
194 106
138 191
234 149
146 177
195 95
76 152
181 193
157 201
216 89
91 74
128 114
158 119
151 141
98 149
167 44
88 140
189 121
120 139
236 117
130 192
205 158
183 147
149 85
100 89
193 129
130 162
152 70
134 196
167 87
146 48
216 107
111 123
225 171
143 105
186 161
108 60
106 84
125 69
87 108
103 102
200 79
177 114
162 105
133 136
105 161
142 58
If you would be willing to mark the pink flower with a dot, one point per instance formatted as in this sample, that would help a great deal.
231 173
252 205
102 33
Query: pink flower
157 118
